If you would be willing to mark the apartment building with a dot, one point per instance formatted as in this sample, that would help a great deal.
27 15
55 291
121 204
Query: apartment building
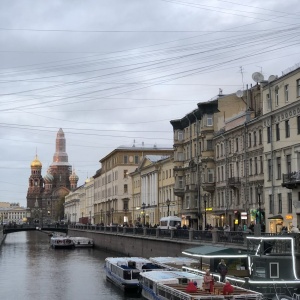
153 190
281 132
113 201
239 162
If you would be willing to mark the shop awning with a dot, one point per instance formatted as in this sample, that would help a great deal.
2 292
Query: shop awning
276 217
215 252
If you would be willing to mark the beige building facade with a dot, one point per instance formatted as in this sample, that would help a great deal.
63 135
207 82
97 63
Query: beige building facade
281 132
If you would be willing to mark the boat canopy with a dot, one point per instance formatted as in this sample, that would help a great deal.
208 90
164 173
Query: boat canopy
215 251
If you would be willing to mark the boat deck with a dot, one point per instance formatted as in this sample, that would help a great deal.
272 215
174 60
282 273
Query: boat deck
217 293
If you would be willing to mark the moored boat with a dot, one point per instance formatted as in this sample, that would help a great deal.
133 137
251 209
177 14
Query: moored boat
60 242
124 272
82 242
176 262
269 265
158 285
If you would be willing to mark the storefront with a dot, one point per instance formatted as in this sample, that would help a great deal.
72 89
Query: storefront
275 224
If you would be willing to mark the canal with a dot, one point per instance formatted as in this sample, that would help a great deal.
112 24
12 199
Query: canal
30 269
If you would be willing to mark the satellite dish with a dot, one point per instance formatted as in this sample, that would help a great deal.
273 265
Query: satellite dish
239 94
272 78
257 77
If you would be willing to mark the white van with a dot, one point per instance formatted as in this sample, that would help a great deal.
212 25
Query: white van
169 222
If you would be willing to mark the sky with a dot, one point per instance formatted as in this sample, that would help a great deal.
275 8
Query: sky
115 72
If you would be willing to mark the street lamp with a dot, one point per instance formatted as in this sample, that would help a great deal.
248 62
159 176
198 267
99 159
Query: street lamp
143 207
90 217
112 215
205 196
168 204
259 192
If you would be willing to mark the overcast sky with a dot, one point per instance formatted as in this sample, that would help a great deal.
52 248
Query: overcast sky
115 72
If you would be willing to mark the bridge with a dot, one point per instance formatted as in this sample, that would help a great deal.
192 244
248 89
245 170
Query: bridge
28 227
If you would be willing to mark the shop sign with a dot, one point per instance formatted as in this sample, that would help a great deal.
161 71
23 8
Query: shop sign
244 215
209 209
289 217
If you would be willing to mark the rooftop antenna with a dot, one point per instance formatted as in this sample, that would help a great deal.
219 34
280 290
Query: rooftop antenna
239 94
133 143
142 144
242 73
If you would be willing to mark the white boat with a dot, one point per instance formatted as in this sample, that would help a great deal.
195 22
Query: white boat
163 285
124 272
82 242
58 242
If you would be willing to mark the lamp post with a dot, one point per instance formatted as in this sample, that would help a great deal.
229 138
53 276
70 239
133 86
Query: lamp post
143 207
101 212
108 216
168 204
205 196
259 192
112 215
90 217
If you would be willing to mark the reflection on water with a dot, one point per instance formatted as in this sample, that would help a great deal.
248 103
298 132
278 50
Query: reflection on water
30 269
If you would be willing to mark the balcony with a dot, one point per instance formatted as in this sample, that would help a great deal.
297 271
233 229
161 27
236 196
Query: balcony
291 180
208 187
179 190
234 182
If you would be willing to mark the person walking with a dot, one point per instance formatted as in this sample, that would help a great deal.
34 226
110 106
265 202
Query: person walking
222 269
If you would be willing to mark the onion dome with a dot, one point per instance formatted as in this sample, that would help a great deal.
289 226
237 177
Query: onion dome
36 163
73 177
48 177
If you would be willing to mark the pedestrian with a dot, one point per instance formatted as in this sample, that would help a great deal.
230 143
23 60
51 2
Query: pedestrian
222 269
207 281
294 229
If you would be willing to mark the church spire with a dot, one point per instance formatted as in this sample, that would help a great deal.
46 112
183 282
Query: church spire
60 156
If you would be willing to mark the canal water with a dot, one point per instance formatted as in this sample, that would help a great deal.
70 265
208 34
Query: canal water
31 270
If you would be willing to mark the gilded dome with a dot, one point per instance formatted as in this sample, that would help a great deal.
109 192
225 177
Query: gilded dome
36 163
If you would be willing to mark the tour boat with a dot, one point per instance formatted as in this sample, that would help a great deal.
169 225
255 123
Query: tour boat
124 272
59 242
269 265
82 242
163 285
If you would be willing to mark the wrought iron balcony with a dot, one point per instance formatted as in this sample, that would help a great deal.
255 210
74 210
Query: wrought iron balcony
291 180
234 182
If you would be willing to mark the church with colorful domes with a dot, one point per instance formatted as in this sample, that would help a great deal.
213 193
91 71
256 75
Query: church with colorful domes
46 195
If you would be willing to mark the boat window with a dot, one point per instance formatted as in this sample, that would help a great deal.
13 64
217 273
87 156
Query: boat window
135 275
127 275
131 264
274 270
260 272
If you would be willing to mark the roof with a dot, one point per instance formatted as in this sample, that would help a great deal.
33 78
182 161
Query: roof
215 251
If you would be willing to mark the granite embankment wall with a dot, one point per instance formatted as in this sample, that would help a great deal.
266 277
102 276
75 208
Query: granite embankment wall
130 245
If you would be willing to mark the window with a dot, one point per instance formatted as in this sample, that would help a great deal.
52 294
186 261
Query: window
268 101
125 174
187 202
277 132
218 154
286 93
289 163
209 120
271 204
268 134
298 125
125 188
222 149
180 156
125 159
254 139
276 96
236 144
279 203
209 145
136 159
249 140
269 169
290 203
229 146
250 166
255 166
298 88
180 135
278 162
274 270
259 137
287 128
